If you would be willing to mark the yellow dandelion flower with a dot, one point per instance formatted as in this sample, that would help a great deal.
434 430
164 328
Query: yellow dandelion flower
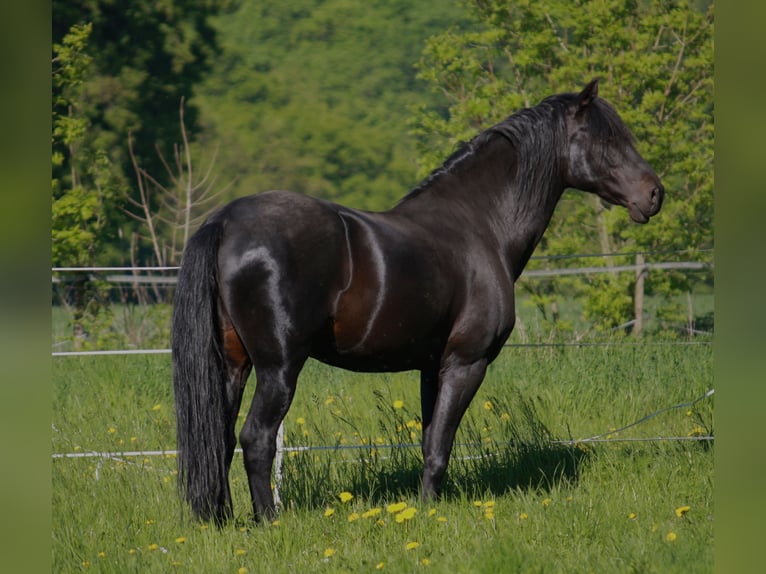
489 504
396 507
477 503
441 519
111 430
240 552
546 502
203 527
329 400
242 570
85 564
432 512
425 561
132 551
380 565
372 512
328 552
380 522
488 405
406 514
275 523
102 554
489 514
681 510
148 521
398 404
505 417
523 515
411 545
329 511
300 421
133 439
632 516
670 536
154 546
157 407
345 496
180 540
353 516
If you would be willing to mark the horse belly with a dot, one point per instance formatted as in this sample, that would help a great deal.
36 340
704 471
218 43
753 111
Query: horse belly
381 336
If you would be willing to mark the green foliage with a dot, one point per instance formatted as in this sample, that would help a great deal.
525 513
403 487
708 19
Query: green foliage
655 60
314 96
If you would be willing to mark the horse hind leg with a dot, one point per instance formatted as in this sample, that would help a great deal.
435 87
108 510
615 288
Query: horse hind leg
274 391
238 367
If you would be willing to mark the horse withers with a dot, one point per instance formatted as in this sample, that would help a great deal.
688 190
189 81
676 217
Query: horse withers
274 278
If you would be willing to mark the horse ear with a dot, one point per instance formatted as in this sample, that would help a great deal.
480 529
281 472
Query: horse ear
589 93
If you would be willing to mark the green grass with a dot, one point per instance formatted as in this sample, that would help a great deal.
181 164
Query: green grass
526 505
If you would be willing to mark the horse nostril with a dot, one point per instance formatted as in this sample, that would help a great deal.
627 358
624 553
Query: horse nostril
657 194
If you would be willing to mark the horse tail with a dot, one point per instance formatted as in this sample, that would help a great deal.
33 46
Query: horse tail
199 378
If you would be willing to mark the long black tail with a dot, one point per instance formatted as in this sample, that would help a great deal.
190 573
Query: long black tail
199 379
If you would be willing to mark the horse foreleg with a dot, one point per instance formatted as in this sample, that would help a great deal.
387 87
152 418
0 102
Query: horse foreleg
458 383
274 391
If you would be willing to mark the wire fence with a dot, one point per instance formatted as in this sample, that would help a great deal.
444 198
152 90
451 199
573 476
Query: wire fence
134 275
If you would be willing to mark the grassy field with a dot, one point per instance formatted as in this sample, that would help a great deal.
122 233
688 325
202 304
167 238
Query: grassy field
515 500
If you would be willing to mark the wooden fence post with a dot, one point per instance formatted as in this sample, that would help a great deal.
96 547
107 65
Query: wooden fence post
638 296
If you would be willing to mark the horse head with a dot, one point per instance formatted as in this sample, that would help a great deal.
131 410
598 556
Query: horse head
602 158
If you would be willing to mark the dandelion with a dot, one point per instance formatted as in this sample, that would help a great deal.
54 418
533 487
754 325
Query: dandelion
670 536
242 570
111 430
396 507
380 565
329 400
523 515
398 404
346 497
505 417
425 561
275 523
132 551
329 552
372 512
148 521
353 516
489 504
85 564
411 545
488 405
329 512
102 554
441 519
133 440
477 503
682 510
301 421
240 552
696 431
406 514
432 512
632 516
153 546
157 407
546 502
180 540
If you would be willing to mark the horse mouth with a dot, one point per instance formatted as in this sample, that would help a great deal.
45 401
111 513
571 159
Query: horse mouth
636 214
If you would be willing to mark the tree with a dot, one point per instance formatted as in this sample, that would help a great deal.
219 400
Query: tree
118 69
655 59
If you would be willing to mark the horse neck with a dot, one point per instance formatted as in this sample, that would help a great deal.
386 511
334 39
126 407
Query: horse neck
496 193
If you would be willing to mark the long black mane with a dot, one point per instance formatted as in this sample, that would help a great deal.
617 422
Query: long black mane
538 132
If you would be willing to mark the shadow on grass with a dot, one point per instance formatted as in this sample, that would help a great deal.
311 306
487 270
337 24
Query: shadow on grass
527 457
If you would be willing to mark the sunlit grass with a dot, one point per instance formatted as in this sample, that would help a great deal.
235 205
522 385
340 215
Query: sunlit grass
514 500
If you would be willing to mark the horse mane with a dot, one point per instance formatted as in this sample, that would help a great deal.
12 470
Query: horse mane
537 132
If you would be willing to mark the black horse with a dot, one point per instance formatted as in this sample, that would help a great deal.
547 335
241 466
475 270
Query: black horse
272 279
